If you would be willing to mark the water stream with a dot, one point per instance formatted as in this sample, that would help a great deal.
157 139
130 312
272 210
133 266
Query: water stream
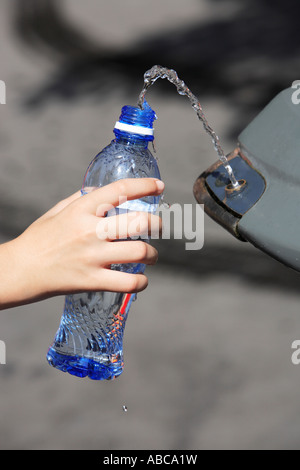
157 71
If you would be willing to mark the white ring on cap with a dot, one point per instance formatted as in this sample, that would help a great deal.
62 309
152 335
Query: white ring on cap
133 129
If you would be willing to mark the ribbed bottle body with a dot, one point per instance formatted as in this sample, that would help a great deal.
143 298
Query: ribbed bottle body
89 341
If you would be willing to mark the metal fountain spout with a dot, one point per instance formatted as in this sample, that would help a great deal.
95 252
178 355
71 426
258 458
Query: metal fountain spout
264 209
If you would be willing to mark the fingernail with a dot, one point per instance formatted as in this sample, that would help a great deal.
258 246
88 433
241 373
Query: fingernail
160 185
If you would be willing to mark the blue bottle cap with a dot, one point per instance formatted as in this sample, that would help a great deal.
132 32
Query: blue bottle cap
137 121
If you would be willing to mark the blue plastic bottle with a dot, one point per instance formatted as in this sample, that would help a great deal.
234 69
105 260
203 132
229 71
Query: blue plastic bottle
89 341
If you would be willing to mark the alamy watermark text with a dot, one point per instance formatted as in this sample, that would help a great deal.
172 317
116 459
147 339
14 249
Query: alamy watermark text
178 221
2 92
296 93
2 352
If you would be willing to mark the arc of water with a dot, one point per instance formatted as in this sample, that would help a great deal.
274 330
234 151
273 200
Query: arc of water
158 71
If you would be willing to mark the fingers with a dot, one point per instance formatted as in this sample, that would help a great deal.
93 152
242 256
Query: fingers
122 190
129 252
129 225
117 281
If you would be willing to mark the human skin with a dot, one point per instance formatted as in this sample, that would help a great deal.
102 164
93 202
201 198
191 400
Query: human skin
69 250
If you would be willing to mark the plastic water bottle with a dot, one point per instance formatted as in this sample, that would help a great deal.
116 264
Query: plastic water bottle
89 341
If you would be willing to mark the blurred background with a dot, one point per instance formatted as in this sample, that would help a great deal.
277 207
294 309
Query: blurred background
208 344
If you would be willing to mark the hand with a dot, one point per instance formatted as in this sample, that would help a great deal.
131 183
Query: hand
69 249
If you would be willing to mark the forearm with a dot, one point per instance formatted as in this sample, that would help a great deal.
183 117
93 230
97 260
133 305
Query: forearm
18 284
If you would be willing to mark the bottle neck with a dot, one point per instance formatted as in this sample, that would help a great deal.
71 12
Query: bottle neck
127 138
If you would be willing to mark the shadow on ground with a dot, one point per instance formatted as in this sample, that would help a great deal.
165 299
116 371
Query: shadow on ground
246 57
240 262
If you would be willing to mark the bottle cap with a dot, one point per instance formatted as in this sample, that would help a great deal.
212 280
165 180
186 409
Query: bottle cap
136 121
